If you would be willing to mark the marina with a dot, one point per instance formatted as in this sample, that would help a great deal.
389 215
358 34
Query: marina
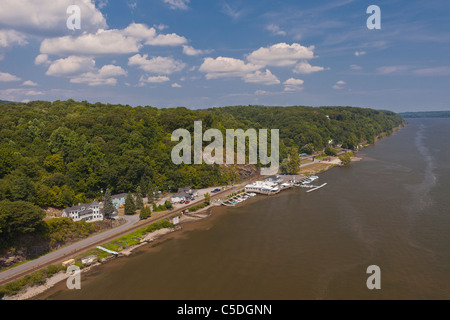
273 185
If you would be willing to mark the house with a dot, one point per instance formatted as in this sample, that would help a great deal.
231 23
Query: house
87 212
118 200
185 194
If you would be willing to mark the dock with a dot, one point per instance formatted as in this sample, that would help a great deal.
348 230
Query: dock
317 187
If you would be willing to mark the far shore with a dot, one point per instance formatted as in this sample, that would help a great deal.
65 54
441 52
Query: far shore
161 234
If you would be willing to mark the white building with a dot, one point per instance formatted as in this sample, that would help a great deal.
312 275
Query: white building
87 212
263 187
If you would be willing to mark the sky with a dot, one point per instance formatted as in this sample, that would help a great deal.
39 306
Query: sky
207 53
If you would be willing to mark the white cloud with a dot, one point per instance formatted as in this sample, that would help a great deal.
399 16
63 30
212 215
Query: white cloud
103 42
156 79
42 59
223 67
339 85
176 85
360 53
142 32
160 26
9 38
190 51
293 84
281 55
7 77
178 4
158 65
266 78
355 67
275 30
108 42
104 76
47 17
29 83
305 68
171 39
70 65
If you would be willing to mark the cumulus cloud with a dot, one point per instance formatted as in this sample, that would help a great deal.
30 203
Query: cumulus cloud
360 53
190 51
47 17
176 85
108 42
42 59
7 77
292 84
104 76
103 42
281 55
29 83
158 65
305 68
223 67
154 79
266 78
9 38
70 65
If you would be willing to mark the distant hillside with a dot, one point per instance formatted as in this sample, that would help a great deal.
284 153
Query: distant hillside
426 114
4 101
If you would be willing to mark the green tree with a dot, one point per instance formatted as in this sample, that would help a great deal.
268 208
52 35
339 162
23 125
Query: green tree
139 200
145 213
207 198
329 151
168 205
19 218
108 206
130 206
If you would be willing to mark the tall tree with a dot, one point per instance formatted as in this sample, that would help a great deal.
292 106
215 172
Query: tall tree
130 206
108 206
139 200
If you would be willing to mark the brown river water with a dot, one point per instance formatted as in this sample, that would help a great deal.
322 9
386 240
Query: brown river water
392 209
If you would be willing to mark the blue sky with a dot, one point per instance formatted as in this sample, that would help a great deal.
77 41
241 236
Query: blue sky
199 54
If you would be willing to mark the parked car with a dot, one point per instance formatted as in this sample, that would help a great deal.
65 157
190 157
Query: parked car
215 190
186 202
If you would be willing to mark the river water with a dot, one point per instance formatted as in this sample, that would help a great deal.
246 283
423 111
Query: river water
392 209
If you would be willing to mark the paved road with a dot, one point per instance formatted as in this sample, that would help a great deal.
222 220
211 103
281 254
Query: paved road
67 251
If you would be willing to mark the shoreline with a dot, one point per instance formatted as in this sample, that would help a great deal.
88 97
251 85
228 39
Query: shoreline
32 293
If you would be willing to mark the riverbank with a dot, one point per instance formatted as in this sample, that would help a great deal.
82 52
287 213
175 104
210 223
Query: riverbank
150 238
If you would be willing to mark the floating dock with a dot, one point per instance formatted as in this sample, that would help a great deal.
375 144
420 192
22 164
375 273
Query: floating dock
316 187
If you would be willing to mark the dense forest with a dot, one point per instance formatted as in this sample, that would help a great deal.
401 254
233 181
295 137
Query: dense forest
426 114
64 152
